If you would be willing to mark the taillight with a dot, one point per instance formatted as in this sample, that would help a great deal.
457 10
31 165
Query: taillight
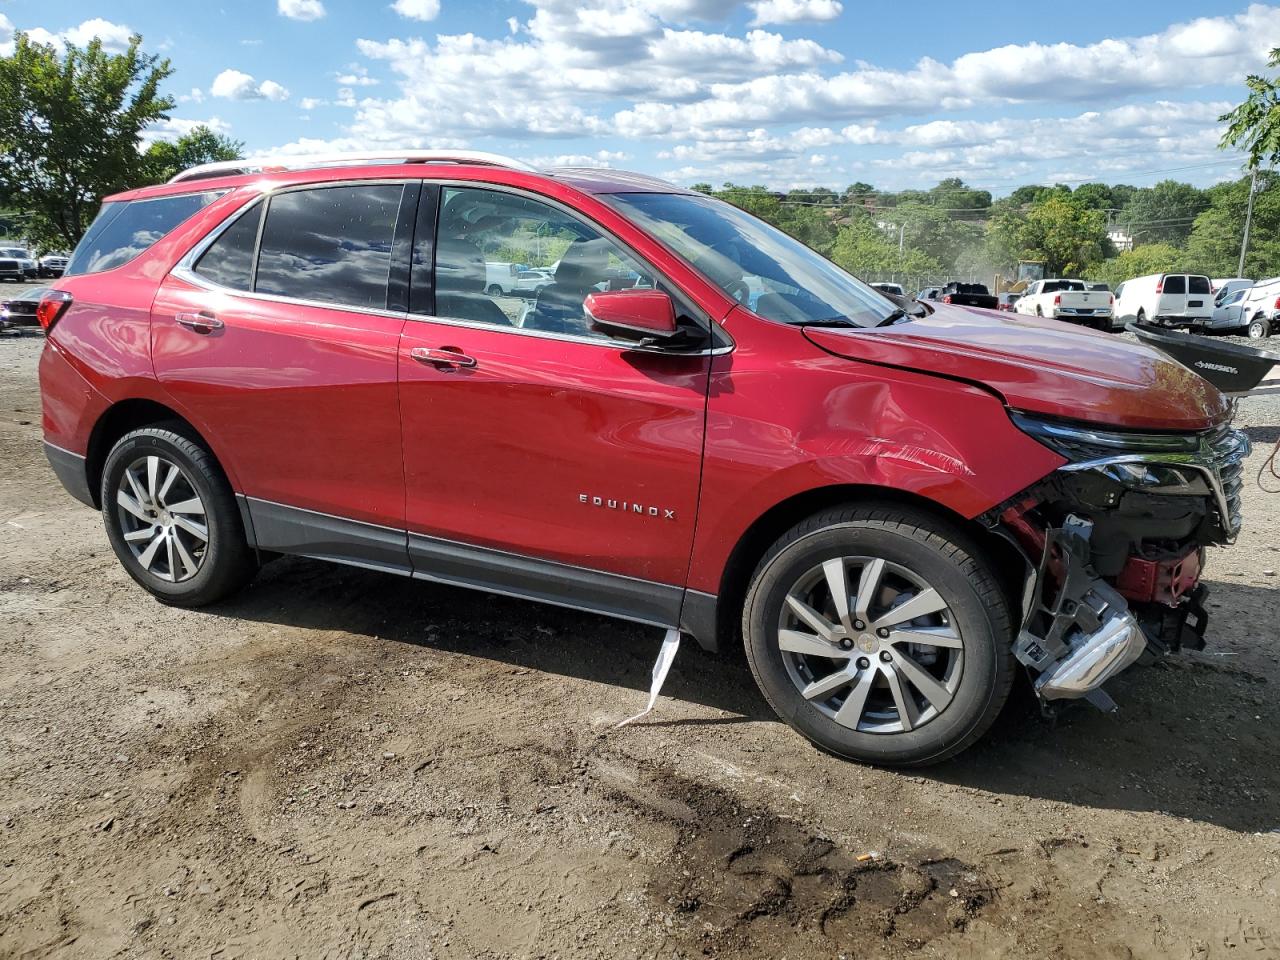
51 308
1111 298
947 298
1278 303
1160 285
1057 300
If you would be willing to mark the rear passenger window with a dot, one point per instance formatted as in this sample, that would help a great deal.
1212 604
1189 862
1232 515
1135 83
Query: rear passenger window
122 231
1198 285
1175 283
229 260
331 244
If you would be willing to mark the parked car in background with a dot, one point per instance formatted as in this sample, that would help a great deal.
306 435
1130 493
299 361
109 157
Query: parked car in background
1169 299
51 265
1007 301
968 295
865 498
929 293
1224 286
20 311
1228 313
500 278
529 282
11 269
1067 300
26 263
1260 309
894 289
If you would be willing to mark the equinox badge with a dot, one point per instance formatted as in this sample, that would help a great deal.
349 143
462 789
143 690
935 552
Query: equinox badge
626 506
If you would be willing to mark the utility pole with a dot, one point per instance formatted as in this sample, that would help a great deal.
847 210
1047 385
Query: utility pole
1248 218
902 233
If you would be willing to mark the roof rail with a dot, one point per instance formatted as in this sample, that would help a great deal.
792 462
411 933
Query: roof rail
229 168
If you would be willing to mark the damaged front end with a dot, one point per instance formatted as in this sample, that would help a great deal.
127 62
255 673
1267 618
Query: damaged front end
1115 541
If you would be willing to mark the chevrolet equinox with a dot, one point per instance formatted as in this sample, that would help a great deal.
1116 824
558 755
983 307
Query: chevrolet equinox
697 423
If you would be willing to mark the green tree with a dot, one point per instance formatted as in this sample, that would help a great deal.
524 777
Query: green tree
952 194
1254 125
864 249
165 158
1163 213
70 124
1214 244
1139 262
1067 236
936 232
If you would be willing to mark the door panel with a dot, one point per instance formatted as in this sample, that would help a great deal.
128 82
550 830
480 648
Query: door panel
572 452
302 398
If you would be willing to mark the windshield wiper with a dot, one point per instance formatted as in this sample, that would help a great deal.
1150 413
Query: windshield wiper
829 322
894 317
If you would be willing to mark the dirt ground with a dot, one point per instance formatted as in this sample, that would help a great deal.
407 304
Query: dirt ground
340 764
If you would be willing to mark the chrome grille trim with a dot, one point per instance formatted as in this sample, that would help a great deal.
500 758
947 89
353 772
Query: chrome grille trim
1219 457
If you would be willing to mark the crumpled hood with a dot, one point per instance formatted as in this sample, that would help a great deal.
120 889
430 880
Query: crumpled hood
1042 366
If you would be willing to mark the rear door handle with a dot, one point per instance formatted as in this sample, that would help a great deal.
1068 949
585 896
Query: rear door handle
201 322
442 356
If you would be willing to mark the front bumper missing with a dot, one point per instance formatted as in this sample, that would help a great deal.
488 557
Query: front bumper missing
1086 634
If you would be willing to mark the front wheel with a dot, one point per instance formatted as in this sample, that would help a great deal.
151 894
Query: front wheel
172 518
879 634
1259 328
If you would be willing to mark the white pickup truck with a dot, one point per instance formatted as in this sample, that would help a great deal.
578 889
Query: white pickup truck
1067 300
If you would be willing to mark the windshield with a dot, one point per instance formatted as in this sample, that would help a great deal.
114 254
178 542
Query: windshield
1050 286
13 252
765 270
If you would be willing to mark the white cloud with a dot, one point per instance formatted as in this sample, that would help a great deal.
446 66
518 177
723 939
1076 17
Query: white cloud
357 78
235 85
300 9
310 103
601 159
175 127
114 36
793 11
417 9
195 96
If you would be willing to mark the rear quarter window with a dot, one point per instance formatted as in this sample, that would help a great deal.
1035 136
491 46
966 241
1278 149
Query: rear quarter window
1175 283
124 230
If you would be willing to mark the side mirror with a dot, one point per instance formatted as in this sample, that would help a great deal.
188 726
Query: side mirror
636 314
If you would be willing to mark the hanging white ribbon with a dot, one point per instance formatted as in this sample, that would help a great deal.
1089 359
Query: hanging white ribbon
670 643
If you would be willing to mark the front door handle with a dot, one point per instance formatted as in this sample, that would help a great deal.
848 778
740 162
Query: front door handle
202 322
442 356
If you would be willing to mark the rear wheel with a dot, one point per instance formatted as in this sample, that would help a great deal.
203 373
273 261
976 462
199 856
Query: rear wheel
879 635
172 518
493 290
1259 328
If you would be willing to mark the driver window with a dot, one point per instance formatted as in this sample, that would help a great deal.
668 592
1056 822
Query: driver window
511 261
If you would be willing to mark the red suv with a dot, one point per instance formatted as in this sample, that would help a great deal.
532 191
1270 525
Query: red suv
698 423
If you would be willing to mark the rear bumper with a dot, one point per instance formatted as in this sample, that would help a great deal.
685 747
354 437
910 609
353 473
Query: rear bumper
70 468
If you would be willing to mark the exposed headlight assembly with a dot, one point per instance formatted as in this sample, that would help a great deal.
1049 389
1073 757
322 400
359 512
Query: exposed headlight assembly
1175 464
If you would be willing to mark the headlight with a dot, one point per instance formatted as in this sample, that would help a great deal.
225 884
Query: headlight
1080 443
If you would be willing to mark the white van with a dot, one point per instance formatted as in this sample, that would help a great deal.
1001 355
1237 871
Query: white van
1260 309
500 278
1171 299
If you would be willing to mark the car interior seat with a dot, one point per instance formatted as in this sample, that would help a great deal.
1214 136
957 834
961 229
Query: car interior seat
460 283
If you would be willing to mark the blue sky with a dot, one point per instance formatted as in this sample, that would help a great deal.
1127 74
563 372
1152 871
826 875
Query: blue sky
782 92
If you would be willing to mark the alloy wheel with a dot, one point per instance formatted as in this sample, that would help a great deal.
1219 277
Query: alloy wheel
162 518
870 644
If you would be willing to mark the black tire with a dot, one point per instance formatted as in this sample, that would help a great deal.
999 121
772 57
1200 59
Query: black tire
944 558
1259 328
493 290
1039 312
225 562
